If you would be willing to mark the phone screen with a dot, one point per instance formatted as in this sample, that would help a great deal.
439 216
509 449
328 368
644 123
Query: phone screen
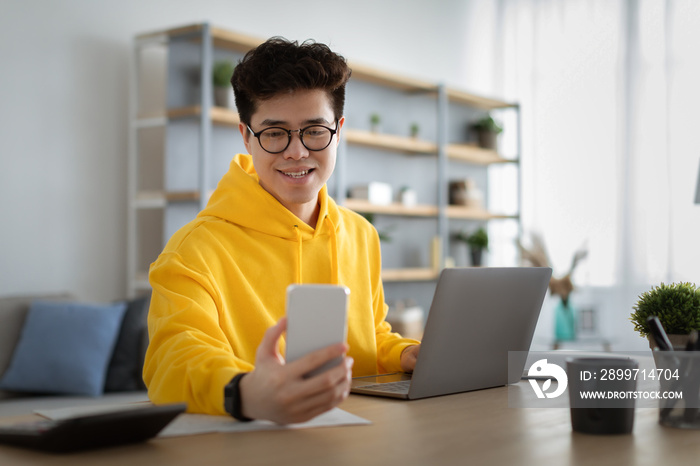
316 318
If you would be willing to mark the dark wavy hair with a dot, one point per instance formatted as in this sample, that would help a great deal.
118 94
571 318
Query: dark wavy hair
279 65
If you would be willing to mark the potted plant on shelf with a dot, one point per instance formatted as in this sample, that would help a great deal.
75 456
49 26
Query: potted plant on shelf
375 122
477 242
677 307
221 79
487 131
414 129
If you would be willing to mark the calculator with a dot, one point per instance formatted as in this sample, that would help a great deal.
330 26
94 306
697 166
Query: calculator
129 425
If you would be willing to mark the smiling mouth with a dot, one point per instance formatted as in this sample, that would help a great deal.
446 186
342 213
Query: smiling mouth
297 174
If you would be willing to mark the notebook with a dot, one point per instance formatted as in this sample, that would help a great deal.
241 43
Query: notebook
477 316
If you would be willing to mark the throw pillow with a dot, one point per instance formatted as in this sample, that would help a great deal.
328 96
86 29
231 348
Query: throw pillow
125 367
64 348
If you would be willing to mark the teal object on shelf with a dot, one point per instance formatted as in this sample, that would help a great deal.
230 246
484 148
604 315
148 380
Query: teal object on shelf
564 322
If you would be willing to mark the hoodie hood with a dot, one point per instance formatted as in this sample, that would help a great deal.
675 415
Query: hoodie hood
241 182
241 200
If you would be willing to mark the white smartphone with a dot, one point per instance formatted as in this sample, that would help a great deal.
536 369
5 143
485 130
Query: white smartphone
316 318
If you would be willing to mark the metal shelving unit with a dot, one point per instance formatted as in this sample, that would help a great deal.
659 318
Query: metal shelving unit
208 121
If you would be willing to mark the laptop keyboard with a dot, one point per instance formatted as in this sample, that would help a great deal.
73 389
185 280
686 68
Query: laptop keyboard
400 386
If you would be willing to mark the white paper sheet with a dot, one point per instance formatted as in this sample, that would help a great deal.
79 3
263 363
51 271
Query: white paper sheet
192 424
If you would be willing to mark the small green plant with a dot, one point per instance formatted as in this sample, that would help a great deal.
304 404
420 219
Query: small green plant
415 128
478 240
223 70
487 124
676 305
375 119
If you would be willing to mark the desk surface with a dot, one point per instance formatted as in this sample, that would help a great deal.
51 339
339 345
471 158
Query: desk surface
467 428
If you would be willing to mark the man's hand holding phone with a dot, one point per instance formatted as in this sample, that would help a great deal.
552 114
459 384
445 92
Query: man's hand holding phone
317 375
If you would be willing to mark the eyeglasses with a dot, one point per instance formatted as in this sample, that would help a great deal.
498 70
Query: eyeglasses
275 140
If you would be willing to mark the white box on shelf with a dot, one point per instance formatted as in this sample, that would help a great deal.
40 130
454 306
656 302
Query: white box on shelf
374 193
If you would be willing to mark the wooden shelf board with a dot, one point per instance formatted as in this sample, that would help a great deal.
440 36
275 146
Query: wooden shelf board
361 205
406 84
409 274
485 103
218 115
221 38
469 213
233 40
389 141
475 154
384 78
151 199
225 116
181 196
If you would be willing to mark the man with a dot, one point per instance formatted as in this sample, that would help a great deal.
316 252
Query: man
217 321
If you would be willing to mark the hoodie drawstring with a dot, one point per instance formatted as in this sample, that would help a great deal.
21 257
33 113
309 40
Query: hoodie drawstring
299 255
333 251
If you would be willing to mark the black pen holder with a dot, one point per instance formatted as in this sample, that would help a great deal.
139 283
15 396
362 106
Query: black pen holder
678 374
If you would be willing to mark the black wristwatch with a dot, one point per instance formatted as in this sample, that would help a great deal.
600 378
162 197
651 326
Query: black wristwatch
232 398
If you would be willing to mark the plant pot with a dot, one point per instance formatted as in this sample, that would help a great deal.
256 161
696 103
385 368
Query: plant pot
678 341
487 139
223 97
564 322
476 254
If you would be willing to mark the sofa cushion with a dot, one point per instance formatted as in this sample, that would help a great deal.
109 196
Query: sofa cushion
64 348
13 312
125 367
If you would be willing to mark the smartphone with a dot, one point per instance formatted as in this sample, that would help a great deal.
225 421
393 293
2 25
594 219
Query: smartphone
316 318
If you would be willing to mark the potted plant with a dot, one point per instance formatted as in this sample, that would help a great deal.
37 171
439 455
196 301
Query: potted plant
477 242
221 79
414 129
375 121
677 307
487 131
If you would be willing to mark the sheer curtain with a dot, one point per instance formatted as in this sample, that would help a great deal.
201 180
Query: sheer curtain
610 92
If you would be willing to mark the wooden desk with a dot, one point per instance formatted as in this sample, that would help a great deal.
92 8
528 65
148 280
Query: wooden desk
469 428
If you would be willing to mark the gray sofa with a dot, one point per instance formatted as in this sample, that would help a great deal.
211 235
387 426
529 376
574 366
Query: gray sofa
118 372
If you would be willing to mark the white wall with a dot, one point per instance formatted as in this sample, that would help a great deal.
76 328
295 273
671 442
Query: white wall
63 109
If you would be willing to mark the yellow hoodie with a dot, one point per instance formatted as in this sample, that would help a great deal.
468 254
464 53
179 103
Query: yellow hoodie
220 284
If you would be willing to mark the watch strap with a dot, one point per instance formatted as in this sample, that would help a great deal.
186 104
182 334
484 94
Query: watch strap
232 398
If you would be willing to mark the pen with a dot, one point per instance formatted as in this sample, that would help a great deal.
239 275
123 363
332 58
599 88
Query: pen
691 383
692 344
663 344
686 383
659 334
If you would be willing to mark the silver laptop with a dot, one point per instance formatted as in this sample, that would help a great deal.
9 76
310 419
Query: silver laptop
477 316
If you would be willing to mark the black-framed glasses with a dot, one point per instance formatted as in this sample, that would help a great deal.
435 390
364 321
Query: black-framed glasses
275 140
